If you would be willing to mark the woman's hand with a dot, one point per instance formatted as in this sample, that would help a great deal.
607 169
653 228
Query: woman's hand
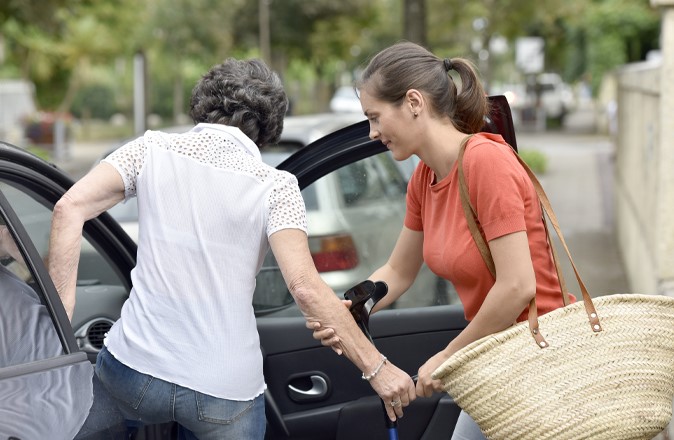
327 335
395 388
426 386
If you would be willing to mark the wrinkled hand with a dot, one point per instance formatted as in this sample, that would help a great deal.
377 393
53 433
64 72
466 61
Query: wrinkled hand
8 245
395 388
327 335
426 386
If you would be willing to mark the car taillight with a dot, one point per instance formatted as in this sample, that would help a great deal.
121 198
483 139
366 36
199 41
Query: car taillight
334 252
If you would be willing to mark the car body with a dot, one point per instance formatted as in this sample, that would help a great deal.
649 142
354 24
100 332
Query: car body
50 391
556 96
345 100
545 92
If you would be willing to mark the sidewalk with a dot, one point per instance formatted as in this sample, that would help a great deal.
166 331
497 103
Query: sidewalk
580 184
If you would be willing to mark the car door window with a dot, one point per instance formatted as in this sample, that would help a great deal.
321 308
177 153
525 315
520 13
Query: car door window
356 215
370 180
27 332
101 289
35 214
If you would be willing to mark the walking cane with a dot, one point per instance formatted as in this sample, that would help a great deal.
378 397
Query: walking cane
363 297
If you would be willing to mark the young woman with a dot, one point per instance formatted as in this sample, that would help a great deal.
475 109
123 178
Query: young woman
415 108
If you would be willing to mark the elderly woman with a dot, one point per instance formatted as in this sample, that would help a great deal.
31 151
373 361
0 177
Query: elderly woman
186 346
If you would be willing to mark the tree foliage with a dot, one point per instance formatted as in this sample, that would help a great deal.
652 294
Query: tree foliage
67 45
54 42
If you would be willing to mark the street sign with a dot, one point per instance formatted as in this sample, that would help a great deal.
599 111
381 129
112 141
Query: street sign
530 54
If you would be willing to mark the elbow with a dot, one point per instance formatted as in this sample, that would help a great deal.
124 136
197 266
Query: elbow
526 290
522 290
303 289
67 209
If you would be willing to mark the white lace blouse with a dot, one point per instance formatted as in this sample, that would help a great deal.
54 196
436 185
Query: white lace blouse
207 205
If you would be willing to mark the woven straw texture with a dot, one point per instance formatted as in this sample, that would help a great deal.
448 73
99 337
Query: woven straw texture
615 384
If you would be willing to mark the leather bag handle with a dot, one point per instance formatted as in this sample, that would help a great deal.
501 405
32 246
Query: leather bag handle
471 218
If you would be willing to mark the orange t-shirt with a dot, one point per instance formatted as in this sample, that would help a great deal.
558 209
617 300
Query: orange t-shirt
505 202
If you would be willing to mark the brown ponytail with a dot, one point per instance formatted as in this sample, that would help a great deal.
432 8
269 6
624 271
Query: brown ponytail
405 65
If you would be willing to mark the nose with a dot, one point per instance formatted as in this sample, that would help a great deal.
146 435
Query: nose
374 133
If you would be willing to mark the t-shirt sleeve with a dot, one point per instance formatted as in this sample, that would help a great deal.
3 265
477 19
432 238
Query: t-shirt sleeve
497 187
413 201
128 161
286 206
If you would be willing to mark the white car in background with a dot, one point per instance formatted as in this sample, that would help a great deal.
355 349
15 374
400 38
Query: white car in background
345 100
556 96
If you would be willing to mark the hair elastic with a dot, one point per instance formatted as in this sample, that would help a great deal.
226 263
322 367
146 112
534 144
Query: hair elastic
448 64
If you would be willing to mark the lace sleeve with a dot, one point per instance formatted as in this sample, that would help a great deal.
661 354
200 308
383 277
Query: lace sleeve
286 206
128 161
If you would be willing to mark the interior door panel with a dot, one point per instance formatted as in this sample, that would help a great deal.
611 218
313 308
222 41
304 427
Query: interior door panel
342 405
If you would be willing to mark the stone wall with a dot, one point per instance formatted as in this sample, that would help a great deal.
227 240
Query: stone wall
645 166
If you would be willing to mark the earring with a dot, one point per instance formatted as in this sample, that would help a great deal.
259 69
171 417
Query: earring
416 114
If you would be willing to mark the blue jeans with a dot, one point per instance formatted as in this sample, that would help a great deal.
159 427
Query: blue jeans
467 429
148 400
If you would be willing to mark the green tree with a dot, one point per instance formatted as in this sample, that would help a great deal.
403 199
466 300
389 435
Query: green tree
614 32
55 42
312 41
181 34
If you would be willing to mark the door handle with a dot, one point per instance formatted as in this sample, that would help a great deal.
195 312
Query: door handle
319 390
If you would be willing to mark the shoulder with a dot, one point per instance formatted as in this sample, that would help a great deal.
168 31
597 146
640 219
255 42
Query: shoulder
488 145
490 153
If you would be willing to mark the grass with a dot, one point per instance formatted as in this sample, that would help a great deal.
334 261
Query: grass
537 161
94 130
40 152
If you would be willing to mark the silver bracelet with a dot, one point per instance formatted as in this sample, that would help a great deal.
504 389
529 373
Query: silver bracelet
376 370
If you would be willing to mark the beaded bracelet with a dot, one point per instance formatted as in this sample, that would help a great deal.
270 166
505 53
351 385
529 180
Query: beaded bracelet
376 370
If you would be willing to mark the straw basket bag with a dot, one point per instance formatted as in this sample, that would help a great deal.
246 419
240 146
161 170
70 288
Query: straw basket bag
600 369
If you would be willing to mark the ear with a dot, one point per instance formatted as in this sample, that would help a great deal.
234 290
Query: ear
415 101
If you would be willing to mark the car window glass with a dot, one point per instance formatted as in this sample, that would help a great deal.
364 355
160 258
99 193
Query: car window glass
27 332
371 179
35 215
101 291
352 231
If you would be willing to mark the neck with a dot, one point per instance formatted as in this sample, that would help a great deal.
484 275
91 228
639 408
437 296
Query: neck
442 150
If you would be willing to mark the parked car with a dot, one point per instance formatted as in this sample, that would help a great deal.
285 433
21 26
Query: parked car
556 96
546 92
345 100
17 104
47 385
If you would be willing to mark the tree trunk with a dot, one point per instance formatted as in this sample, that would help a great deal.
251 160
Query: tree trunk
414 21
178 98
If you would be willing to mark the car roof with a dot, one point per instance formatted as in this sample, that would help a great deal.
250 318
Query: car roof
302 130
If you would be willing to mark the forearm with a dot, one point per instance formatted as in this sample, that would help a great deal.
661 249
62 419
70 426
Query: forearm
320 304
402 267
95 193
64 252
499 311
398 282
317 300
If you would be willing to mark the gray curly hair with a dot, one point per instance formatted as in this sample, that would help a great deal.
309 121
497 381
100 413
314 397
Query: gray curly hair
244 94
